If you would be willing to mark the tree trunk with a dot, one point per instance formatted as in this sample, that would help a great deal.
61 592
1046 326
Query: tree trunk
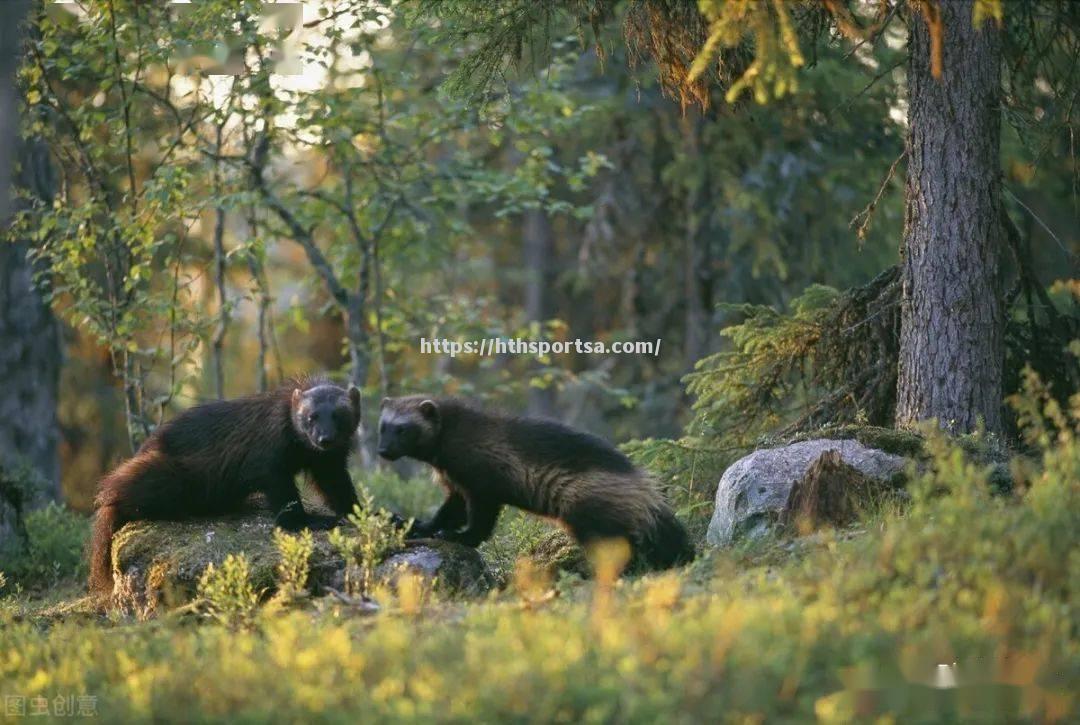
696 262
220 275
12 13
952 317
30 349
358 342
538 240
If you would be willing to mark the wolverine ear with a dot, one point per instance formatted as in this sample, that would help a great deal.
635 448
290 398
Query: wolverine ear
385 402
429 409
296 397
354 398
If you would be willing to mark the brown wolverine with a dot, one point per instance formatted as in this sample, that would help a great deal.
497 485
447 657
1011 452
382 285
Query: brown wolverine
486 461
211 457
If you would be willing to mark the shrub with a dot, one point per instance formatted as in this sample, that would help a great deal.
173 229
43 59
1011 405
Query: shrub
52 551
228 593
376 536
293 569
960 608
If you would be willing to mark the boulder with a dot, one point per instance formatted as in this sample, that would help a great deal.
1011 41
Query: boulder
755 489
159 563
452 568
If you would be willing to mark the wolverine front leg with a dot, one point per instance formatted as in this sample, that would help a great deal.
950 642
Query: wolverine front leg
336 487
284 502
452 515
482 518
289 513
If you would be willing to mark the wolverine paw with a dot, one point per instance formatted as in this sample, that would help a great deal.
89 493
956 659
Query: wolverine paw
324 523
291 518
418 530
456 537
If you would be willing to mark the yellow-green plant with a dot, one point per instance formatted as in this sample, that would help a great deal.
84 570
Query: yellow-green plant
293 569
376 535
228 593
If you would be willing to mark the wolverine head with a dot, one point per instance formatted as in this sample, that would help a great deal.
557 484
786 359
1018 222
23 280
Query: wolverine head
326 416
408 426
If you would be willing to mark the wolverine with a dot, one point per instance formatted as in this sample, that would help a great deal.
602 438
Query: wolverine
486 461
211 457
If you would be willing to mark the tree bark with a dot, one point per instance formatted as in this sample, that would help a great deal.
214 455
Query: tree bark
358 341
696 262
30 351
952 317
12 13
538 241
220 274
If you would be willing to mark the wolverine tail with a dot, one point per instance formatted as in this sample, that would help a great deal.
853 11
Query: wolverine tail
106 523
666 544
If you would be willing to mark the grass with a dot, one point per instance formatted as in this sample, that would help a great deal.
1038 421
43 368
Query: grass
957 606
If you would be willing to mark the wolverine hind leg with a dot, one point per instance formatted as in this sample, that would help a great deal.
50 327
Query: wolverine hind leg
107 521
594 522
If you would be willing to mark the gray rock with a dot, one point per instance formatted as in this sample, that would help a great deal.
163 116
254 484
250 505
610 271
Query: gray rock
452 568
754 489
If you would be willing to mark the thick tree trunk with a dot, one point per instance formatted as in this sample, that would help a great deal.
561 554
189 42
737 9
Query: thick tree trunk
29 336
12 13
952 318
29 346
538 240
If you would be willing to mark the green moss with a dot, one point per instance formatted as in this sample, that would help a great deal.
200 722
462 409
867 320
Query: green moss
897 442
166 558
160 562
557 552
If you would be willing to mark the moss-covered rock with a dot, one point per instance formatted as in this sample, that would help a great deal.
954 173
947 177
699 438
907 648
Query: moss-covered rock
754 491
907 443
157 564
558 552
986 449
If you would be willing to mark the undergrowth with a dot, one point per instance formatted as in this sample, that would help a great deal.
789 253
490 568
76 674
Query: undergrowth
959 606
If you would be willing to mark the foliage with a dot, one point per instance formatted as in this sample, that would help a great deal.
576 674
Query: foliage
52 551
228 593
831 360
101 242
377 534
20 486
292 571
776 47
764 367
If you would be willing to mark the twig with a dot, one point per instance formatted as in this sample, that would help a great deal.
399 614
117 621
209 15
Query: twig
867 214
1072 257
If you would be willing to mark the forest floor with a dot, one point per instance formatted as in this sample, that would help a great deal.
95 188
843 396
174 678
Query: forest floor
958 606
